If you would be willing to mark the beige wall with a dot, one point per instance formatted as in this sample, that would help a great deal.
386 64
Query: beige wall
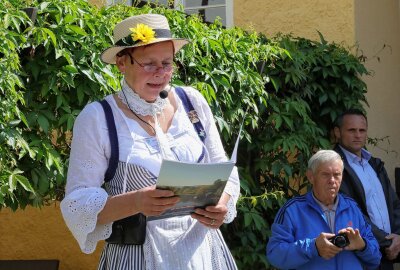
98 3
34 234
378 25
334 19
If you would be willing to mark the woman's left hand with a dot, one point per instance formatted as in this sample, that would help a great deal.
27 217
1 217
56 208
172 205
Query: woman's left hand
211 216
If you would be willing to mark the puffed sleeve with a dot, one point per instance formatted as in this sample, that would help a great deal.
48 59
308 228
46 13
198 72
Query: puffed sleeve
215 148
87 164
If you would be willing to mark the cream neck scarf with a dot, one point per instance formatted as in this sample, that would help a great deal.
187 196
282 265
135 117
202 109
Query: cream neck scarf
139 105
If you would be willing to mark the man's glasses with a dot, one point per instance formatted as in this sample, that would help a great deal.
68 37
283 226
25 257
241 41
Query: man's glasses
151 68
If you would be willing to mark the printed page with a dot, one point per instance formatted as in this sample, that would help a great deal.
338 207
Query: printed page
197 184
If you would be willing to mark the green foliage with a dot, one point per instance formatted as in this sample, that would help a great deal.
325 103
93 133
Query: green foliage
293 88
247 234
12 143
308 87
52 69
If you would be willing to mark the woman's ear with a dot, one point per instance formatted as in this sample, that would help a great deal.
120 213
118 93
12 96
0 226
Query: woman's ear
121 63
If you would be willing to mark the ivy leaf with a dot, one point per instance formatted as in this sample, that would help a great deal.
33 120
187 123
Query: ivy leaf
278 121
24 182
51 35
77 30
70 69
247 219
322 98
43 123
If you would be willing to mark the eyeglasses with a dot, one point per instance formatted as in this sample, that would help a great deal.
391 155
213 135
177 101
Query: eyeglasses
151 68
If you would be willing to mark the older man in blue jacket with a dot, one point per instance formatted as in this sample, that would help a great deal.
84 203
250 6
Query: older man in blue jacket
322 229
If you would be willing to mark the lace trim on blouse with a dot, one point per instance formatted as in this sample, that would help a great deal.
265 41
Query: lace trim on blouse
81 218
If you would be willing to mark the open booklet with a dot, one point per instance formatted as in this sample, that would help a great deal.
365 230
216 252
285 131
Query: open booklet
197 184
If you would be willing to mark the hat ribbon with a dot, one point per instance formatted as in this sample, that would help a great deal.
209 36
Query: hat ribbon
128 40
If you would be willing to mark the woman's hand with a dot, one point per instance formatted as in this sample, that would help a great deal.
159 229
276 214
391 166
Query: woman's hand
153 202
211 216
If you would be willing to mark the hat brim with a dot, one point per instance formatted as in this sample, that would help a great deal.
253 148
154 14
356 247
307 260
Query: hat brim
108 55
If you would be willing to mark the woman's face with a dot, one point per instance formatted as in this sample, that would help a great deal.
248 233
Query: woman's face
147 85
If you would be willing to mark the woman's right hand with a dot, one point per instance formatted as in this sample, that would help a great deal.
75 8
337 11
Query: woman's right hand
153 202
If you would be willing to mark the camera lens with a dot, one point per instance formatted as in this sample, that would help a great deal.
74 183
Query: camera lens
340 241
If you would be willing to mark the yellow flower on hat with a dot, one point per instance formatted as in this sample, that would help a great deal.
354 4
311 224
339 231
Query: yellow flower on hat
143 33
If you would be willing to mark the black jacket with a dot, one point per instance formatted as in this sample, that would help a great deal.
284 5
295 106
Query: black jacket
352 186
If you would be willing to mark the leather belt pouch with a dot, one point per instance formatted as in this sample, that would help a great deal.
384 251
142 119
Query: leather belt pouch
129 231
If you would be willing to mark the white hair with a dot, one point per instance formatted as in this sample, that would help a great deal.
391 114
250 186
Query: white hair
323 156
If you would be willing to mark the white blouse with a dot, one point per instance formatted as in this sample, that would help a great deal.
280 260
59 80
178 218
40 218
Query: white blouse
91 149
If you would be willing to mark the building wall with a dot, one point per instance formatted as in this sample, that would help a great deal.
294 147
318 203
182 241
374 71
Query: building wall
334 19
377 32
98 3
41 234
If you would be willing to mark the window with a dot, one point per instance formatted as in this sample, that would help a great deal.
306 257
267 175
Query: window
114 2
208 9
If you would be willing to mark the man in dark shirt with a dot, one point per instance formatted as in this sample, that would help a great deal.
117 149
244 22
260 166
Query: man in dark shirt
366 181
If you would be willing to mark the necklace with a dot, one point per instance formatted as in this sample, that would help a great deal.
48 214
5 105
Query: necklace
138 105
144 121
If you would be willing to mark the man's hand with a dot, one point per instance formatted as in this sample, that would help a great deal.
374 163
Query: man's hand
326 249
393 250
356 241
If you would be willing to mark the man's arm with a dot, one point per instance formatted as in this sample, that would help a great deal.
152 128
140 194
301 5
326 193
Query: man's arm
392 251
393 201
352 189
284 252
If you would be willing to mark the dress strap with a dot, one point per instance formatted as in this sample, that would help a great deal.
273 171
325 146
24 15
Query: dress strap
112 133
192 114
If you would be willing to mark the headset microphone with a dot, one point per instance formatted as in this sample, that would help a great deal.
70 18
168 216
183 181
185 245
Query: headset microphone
163 94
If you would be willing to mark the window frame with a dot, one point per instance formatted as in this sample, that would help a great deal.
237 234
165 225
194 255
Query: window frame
126 2
176 4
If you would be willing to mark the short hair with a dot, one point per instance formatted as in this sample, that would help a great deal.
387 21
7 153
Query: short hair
322 156
339 119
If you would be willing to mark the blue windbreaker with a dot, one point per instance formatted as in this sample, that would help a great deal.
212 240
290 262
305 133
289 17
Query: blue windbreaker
300 221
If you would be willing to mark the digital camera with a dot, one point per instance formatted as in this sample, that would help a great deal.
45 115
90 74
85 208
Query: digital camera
340 240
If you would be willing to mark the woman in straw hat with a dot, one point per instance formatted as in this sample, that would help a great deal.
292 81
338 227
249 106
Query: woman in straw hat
151 125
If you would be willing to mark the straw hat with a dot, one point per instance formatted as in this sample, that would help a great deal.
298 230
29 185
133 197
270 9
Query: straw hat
138 31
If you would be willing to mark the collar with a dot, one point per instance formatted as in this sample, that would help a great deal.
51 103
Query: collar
324 208
139 105
365 156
